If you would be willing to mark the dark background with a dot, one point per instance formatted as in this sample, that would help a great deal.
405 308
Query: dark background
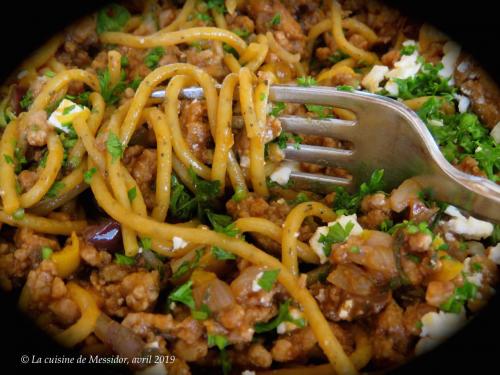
475 350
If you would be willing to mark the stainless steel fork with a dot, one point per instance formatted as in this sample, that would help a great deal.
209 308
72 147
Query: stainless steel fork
386 134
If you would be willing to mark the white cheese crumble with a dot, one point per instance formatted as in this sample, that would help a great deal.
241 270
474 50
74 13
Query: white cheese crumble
346 308
406 67
463 103
317 246
281 175
436 327
473 277
66 113
495 132
248 372
494 253
285 327
255 284
372 80
451 51
178 243
471 228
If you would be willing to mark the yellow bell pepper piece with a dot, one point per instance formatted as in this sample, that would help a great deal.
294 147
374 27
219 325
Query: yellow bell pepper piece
86 324
450 268
68 259
200 277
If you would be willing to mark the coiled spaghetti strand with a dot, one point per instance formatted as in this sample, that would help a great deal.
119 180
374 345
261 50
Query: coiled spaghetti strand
8 179
224 133
292 226
164 162
48 174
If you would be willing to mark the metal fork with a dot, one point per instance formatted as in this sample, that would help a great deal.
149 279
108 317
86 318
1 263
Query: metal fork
386 134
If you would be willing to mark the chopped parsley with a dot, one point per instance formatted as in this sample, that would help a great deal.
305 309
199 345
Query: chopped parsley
206 192
299 198
355 249
153 57
336 234
228 49
306 81
283 139
87 176
218 5
408 49
239 195
477 267
460 296
26 100
268 278
112 18
222 254
337 56
111 94
187 266
202 314
386 225
46 252
49 74
222 224
278 107
242 33
427 82
55 189
124 260
183 294
8 159
114 146
203 17
345 88
350 203
182 204
321 111
221 342
460 135
146 243
283 316
276 20
132 193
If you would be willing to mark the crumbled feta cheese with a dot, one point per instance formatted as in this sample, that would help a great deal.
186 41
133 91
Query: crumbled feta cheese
245 161
248 372
178 243
495 132
285 327
470 228
406 67
281 175
494 253
157 369
473 277
463 103
372 80
255 284
59 117
317 246
436 327
451 51
345 309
